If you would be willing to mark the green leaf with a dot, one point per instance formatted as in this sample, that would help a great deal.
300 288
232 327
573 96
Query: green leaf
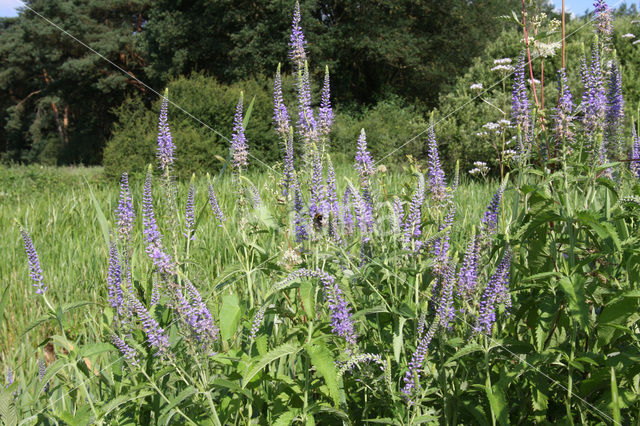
615 313
573 288
247 114
175 401
8 413
118 401
603 229
96 348
615 403
287 418
3 302
323 361
307 294
37 322
263 361
498 402
230 314
398 339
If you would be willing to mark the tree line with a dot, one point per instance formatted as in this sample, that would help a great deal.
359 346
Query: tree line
57 97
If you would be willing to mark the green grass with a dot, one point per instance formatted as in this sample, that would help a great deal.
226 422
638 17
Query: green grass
55 206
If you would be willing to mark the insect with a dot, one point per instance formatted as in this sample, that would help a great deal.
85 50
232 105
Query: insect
317 220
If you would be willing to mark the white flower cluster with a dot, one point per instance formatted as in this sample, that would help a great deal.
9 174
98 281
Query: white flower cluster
628 35
503 65
476 86
480 169
502 61
535 80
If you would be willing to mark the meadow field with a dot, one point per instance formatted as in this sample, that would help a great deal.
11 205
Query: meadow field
325 289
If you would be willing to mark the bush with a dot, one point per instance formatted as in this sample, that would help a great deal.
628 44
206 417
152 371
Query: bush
389 124
133 143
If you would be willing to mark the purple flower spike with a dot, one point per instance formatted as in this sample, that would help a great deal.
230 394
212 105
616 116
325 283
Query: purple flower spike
495 293
125 213
9 376
189 215
604 27
156 336
34 264
317 193
289 170
114 280
564 112
42 370
437 186
440 249
239 147
213 201
257 321
280 114
127 351
333 207
445 311
412 376
152 234
341 321
196 314
634 164
489 222
299 218
165 142
520 110
297 43
594 97
397 222
364 214
347 217
307 125
325 112
614 110
413 222
364 161
468 275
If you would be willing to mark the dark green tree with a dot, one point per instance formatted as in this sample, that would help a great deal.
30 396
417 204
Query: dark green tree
57 94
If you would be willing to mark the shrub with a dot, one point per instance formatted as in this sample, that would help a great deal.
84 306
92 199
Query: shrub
133 143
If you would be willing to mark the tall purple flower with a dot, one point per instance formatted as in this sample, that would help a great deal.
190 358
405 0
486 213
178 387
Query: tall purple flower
239 147
299 220
289 172
564 112
604 26
280 114
316 196
594 97
188 214
34 264
165 143
634 164
127 351
412 376
614 110
196 315
495 293
440 248
347 217
445 310
520 110
125 212
152 234
257 321
364 215
114 280
213 202
489 221
307 125
364 161
341 321
42 370
413 222
333 207
297 41
325 113
437 186
156 336
397 221
9 376
468 275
